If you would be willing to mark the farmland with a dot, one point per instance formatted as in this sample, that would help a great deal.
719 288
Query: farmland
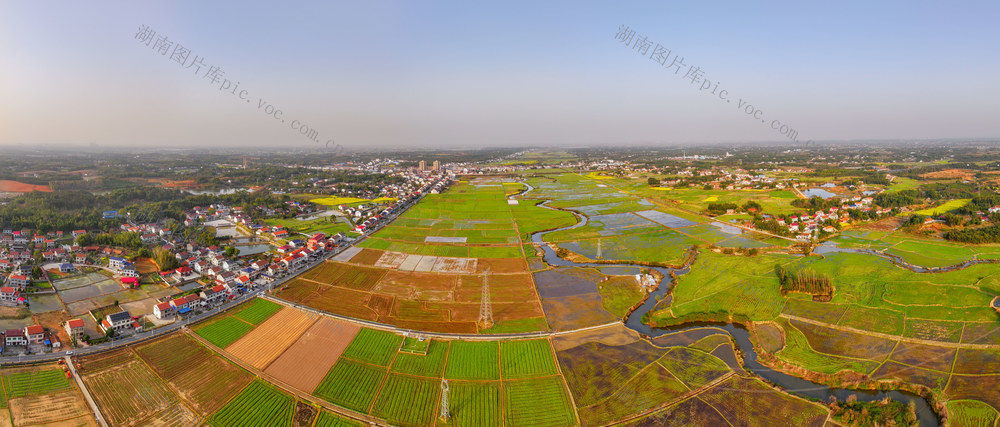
224 331
199 376
268 340
30 383
257 311
259 404
882 325
306 361
129 393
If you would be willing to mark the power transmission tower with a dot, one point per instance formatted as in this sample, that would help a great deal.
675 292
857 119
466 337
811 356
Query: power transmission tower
445 413
485 308
599 248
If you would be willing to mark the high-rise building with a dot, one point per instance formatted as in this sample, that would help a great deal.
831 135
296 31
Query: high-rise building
437 165
423 165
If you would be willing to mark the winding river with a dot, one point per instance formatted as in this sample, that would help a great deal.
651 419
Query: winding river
740 335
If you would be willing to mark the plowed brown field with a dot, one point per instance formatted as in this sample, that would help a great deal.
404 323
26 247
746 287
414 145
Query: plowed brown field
20 187
66 408
308 360
267 341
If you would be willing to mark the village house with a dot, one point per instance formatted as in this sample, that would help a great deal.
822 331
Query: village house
162 310
117 321
15 337
180 305
74 327
18 281
35 334
116 263
8 293
214 295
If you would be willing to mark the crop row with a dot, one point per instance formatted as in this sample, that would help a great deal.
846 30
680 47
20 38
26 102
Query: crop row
33 383
257 405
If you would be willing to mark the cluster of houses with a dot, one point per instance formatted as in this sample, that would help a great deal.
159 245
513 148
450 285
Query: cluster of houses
215 212
28 337
367 217
805 226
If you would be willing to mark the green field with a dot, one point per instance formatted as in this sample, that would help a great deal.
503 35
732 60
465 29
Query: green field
310 227
408 401
963 413
224 331
537 402
526 359
430 364
373 346
944 207
259 404
351 384
473 360
33 383
258 310
330 419
475 404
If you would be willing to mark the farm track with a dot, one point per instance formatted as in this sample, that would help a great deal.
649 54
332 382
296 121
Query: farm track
301 395
891 337
678 399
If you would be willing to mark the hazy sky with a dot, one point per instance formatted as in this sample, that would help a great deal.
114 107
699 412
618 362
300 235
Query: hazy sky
420 74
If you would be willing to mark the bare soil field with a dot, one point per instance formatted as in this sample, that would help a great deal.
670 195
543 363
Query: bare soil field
266 342
66 408
502 265
176 415
578 311
971 361
417 286
770 336
615 335
503 288
950 174
909 374
367 256
453 265
146 265
390 259
567 281
924 356
104 360
833 341
381 304
209 385
7 186
305 363
985 388
129 393
345 275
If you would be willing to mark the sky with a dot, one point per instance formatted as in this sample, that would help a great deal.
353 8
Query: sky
387 74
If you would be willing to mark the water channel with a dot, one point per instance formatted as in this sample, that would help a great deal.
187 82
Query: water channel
740 335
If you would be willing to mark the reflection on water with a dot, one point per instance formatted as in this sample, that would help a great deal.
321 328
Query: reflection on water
740 335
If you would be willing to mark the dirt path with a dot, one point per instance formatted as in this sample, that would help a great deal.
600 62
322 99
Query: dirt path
891 337
86 393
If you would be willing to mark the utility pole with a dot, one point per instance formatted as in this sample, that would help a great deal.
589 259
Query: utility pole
445 412
485 308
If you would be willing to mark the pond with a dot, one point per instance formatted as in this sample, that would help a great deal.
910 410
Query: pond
819 192
254 249
740 335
